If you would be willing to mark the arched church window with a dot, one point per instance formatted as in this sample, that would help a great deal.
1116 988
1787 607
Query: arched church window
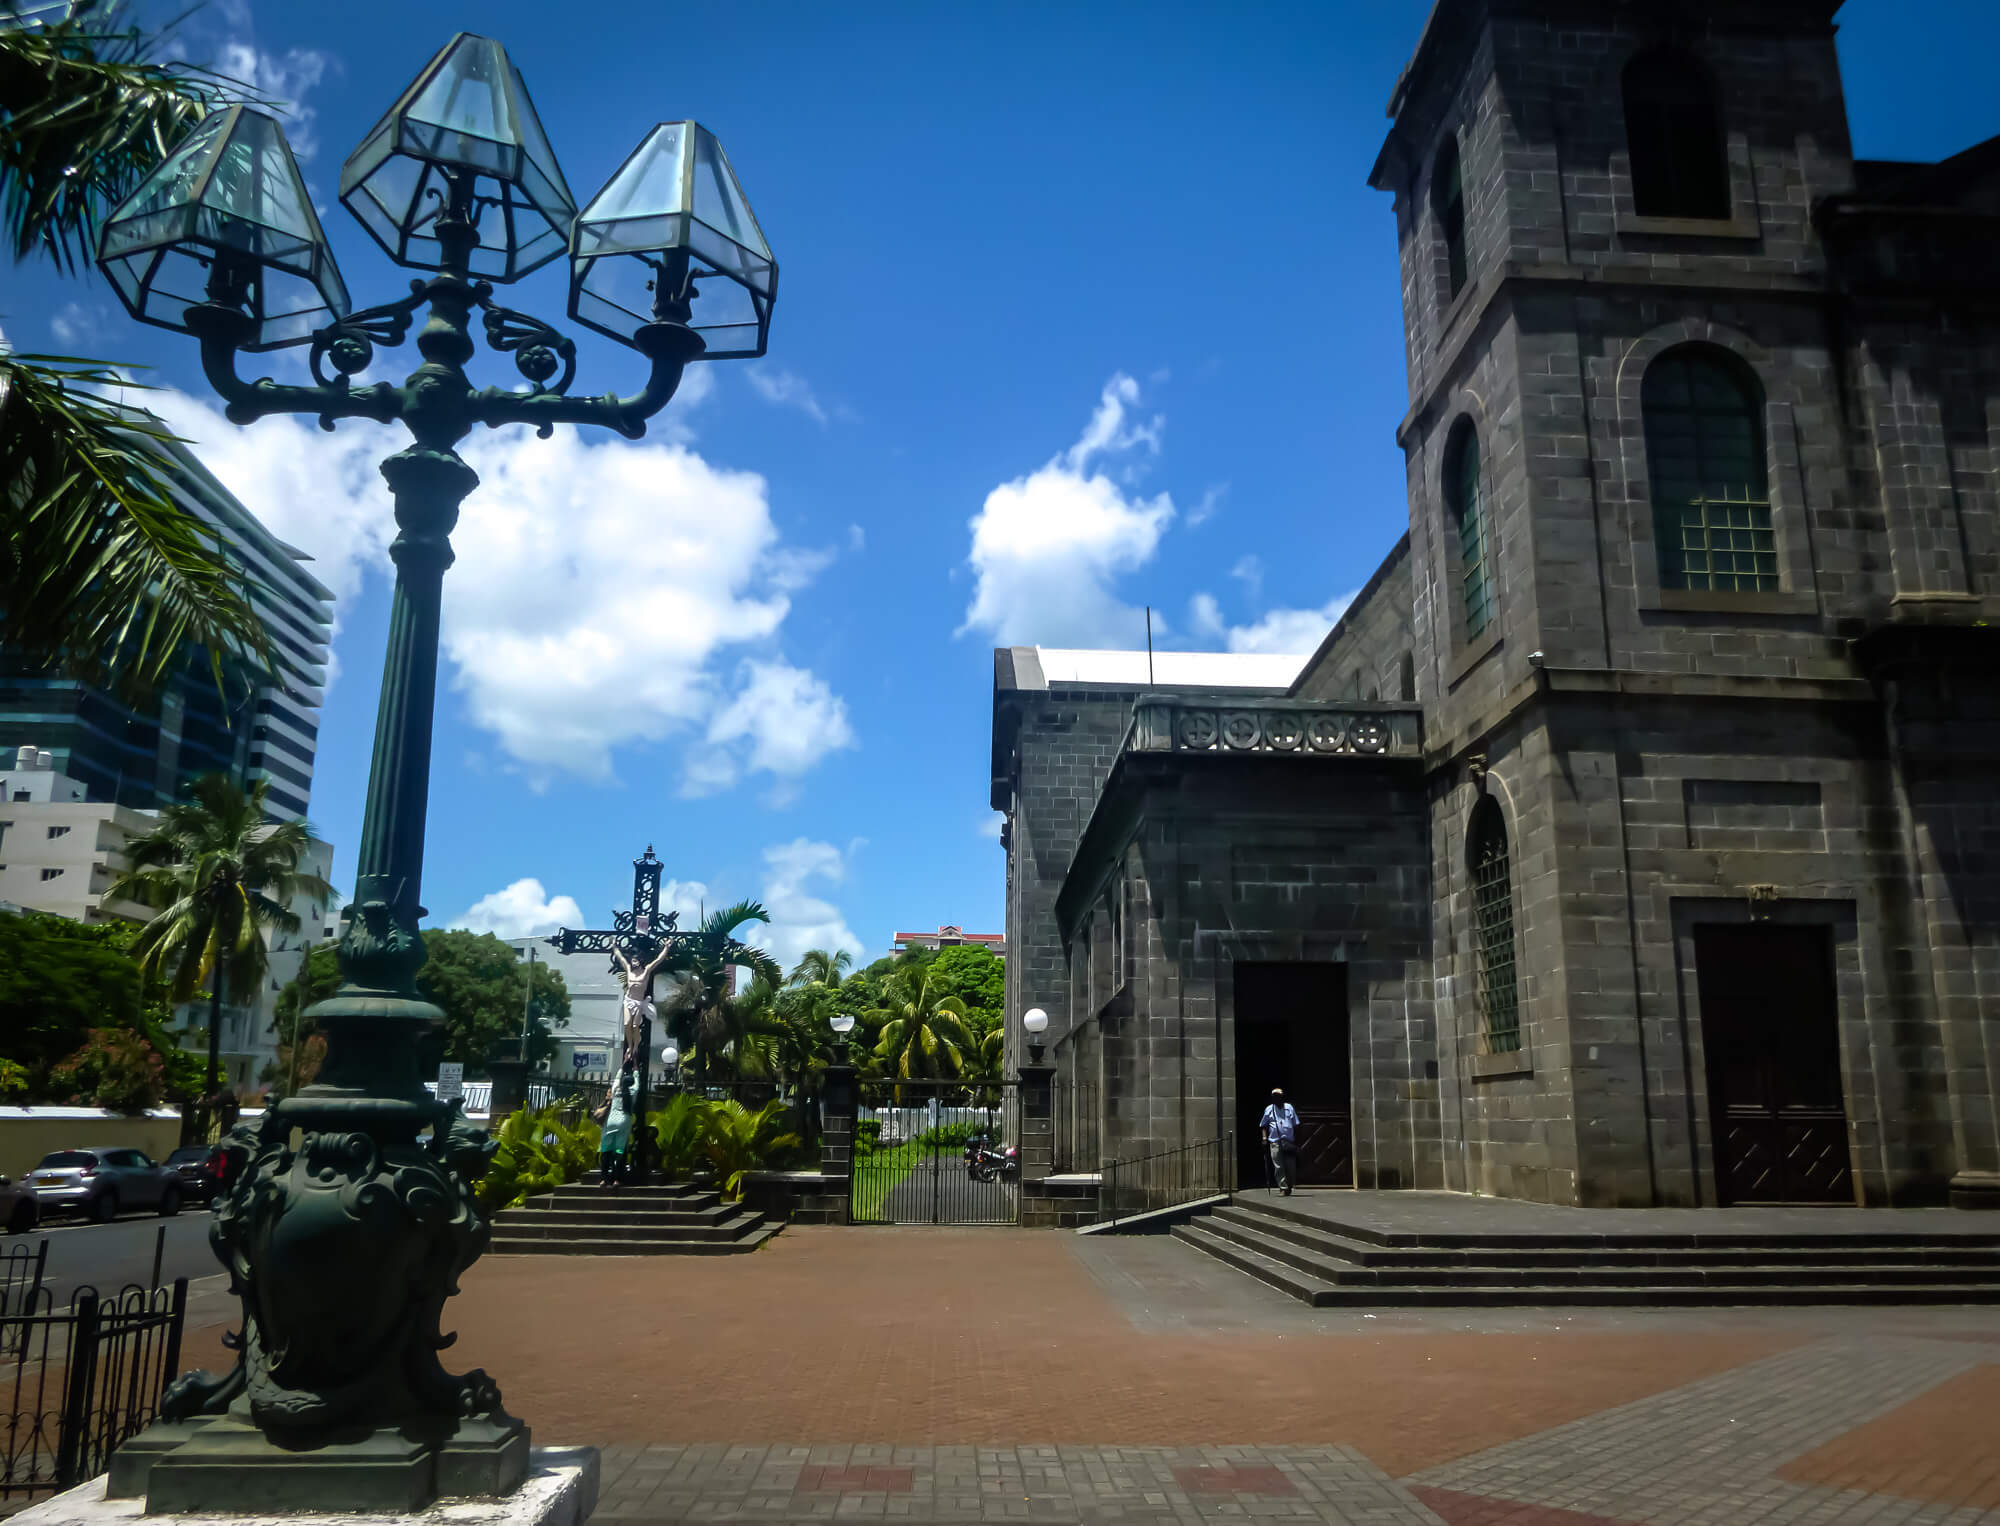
1448 204
1705 453
1463 497
1674 135
1493 927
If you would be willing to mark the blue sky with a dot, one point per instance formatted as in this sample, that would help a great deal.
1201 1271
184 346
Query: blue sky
1082 308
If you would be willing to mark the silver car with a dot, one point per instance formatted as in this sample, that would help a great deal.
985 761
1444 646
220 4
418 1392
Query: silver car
103 1182
20 1209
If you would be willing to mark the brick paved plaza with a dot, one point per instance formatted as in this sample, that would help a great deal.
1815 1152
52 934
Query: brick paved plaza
960 1375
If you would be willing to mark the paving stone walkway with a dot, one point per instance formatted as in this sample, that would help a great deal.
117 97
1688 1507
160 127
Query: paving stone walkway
1133 1486
922 1374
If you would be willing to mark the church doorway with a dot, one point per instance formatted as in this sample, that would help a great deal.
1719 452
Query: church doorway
1777 1115
1291 1031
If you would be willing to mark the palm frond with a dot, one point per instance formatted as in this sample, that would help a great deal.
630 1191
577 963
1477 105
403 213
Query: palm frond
86 117
101 571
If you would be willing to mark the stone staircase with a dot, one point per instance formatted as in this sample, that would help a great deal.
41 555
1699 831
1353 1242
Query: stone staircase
1318 1257
586 1220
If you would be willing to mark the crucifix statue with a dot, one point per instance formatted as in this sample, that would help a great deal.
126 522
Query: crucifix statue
638 941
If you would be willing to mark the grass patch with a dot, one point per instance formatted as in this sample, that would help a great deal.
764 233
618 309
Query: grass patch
881 1172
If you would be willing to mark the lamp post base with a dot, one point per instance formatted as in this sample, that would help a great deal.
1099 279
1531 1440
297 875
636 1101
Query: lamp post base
229 1467
560 1490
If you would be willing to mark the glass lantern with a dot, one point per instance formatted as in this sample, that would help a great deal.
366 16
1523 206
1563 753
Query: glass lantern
225 218
467 115
671 238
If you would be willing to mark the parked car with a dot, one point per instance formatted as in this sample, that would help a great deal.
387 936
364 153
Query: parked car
99 1183
199 1168
20 1208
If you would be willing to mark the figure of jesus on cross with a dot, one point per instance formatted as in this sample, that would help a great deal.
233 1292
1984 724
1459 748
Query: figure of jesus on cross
638 989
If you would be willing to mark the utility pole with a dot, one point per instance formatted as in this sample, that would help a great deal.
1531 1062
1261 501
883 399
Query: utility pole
526 997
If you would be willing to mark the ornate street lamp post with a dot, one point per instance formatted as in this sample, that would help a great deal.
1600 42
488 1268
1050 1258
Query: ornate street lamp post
345 1246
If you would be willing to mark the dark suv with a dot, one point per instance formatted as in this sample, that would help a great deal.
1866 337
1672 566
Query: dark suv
196 1166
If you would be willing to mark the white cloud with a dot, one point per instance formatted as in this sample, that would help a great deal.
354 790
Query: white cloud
1249 571
787 388
320 492
282 80
782 721
989 828
1211 500
688 897
1046 547
76 324
523 910
1276 630
605 592
800 919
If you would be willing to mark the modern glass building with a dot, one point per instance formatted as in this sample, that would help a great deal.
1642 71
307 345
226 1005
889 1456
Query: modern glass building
143 754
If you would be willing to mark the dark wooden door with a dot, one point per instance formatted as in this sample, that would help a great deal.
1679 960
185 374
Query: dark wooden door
1777 1112
1291 1031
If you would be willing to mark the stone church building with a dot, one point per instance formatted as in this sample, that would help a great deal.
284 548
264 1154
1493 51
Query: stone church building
1634 838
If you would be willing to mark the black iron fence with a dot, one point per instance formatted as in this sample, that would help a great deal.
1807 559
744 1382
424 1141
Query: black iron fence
21 1268
929 1152
1076 1126
82 1381
1166 1179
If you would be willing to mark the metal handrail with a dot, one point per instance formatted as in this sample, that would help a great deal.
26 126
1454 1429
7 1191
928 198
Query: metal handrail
1164 1179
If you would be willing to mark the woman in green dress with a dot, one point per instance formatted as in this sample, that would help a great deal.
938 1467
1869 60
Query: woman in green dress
615 1144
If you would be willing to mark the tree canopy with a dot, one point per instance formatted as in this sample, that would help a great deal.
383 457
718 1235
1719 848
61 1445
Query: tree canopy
79 1022
480 982
976 976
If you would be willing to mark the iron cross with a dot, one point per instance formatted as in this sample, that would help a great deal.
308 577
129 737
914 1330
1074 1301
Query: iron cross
639 934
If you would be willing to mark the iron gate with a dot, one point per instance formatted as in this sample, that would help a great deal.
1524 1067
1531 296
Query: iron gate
936 1152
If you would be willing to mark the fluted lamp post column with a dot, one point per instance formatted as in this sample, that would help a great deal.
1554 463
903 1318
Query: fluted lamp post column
351 1216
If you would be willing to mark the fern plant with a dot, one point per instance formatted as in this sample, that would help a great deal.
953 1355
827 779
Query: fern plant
740 1141
538 1153
681 1130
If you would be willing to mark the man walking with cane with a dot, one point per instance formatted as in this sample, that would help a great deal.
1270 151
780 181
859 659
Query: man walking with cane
1280 1129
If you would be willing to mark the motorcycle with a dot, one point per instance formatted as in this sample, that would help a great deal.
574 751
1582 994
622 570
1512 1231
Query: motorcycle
983 1163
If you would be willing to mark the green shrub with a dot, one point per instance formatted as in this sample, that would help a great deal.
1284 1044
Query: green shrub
538 1153
956 1136
740 1141
681 1130
867 1136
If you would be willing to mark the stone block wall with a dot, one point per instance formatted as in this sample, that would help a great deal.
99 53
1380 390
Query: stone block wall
1066 744
1270 859
1370 654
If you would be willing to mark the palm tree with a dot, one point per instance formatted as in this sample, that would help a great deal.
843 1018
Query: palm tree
924 1032
821 967
697 1014
100 568
219 877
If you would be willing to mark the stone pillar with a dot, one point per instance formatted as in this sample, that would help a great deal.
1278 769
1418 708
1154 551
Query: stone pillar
510 1091
1038 1137
836 1122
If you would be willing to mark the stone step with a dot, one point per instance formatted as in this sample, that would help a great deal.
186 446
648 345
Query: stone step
1312 1290
1339 1243
508 1245
613 1229
1432 1240
582 1215
1832 1269
593 1192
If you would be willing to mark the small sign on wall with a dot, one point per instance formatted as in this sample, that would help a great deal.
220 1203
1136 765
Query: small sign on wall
451 1081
